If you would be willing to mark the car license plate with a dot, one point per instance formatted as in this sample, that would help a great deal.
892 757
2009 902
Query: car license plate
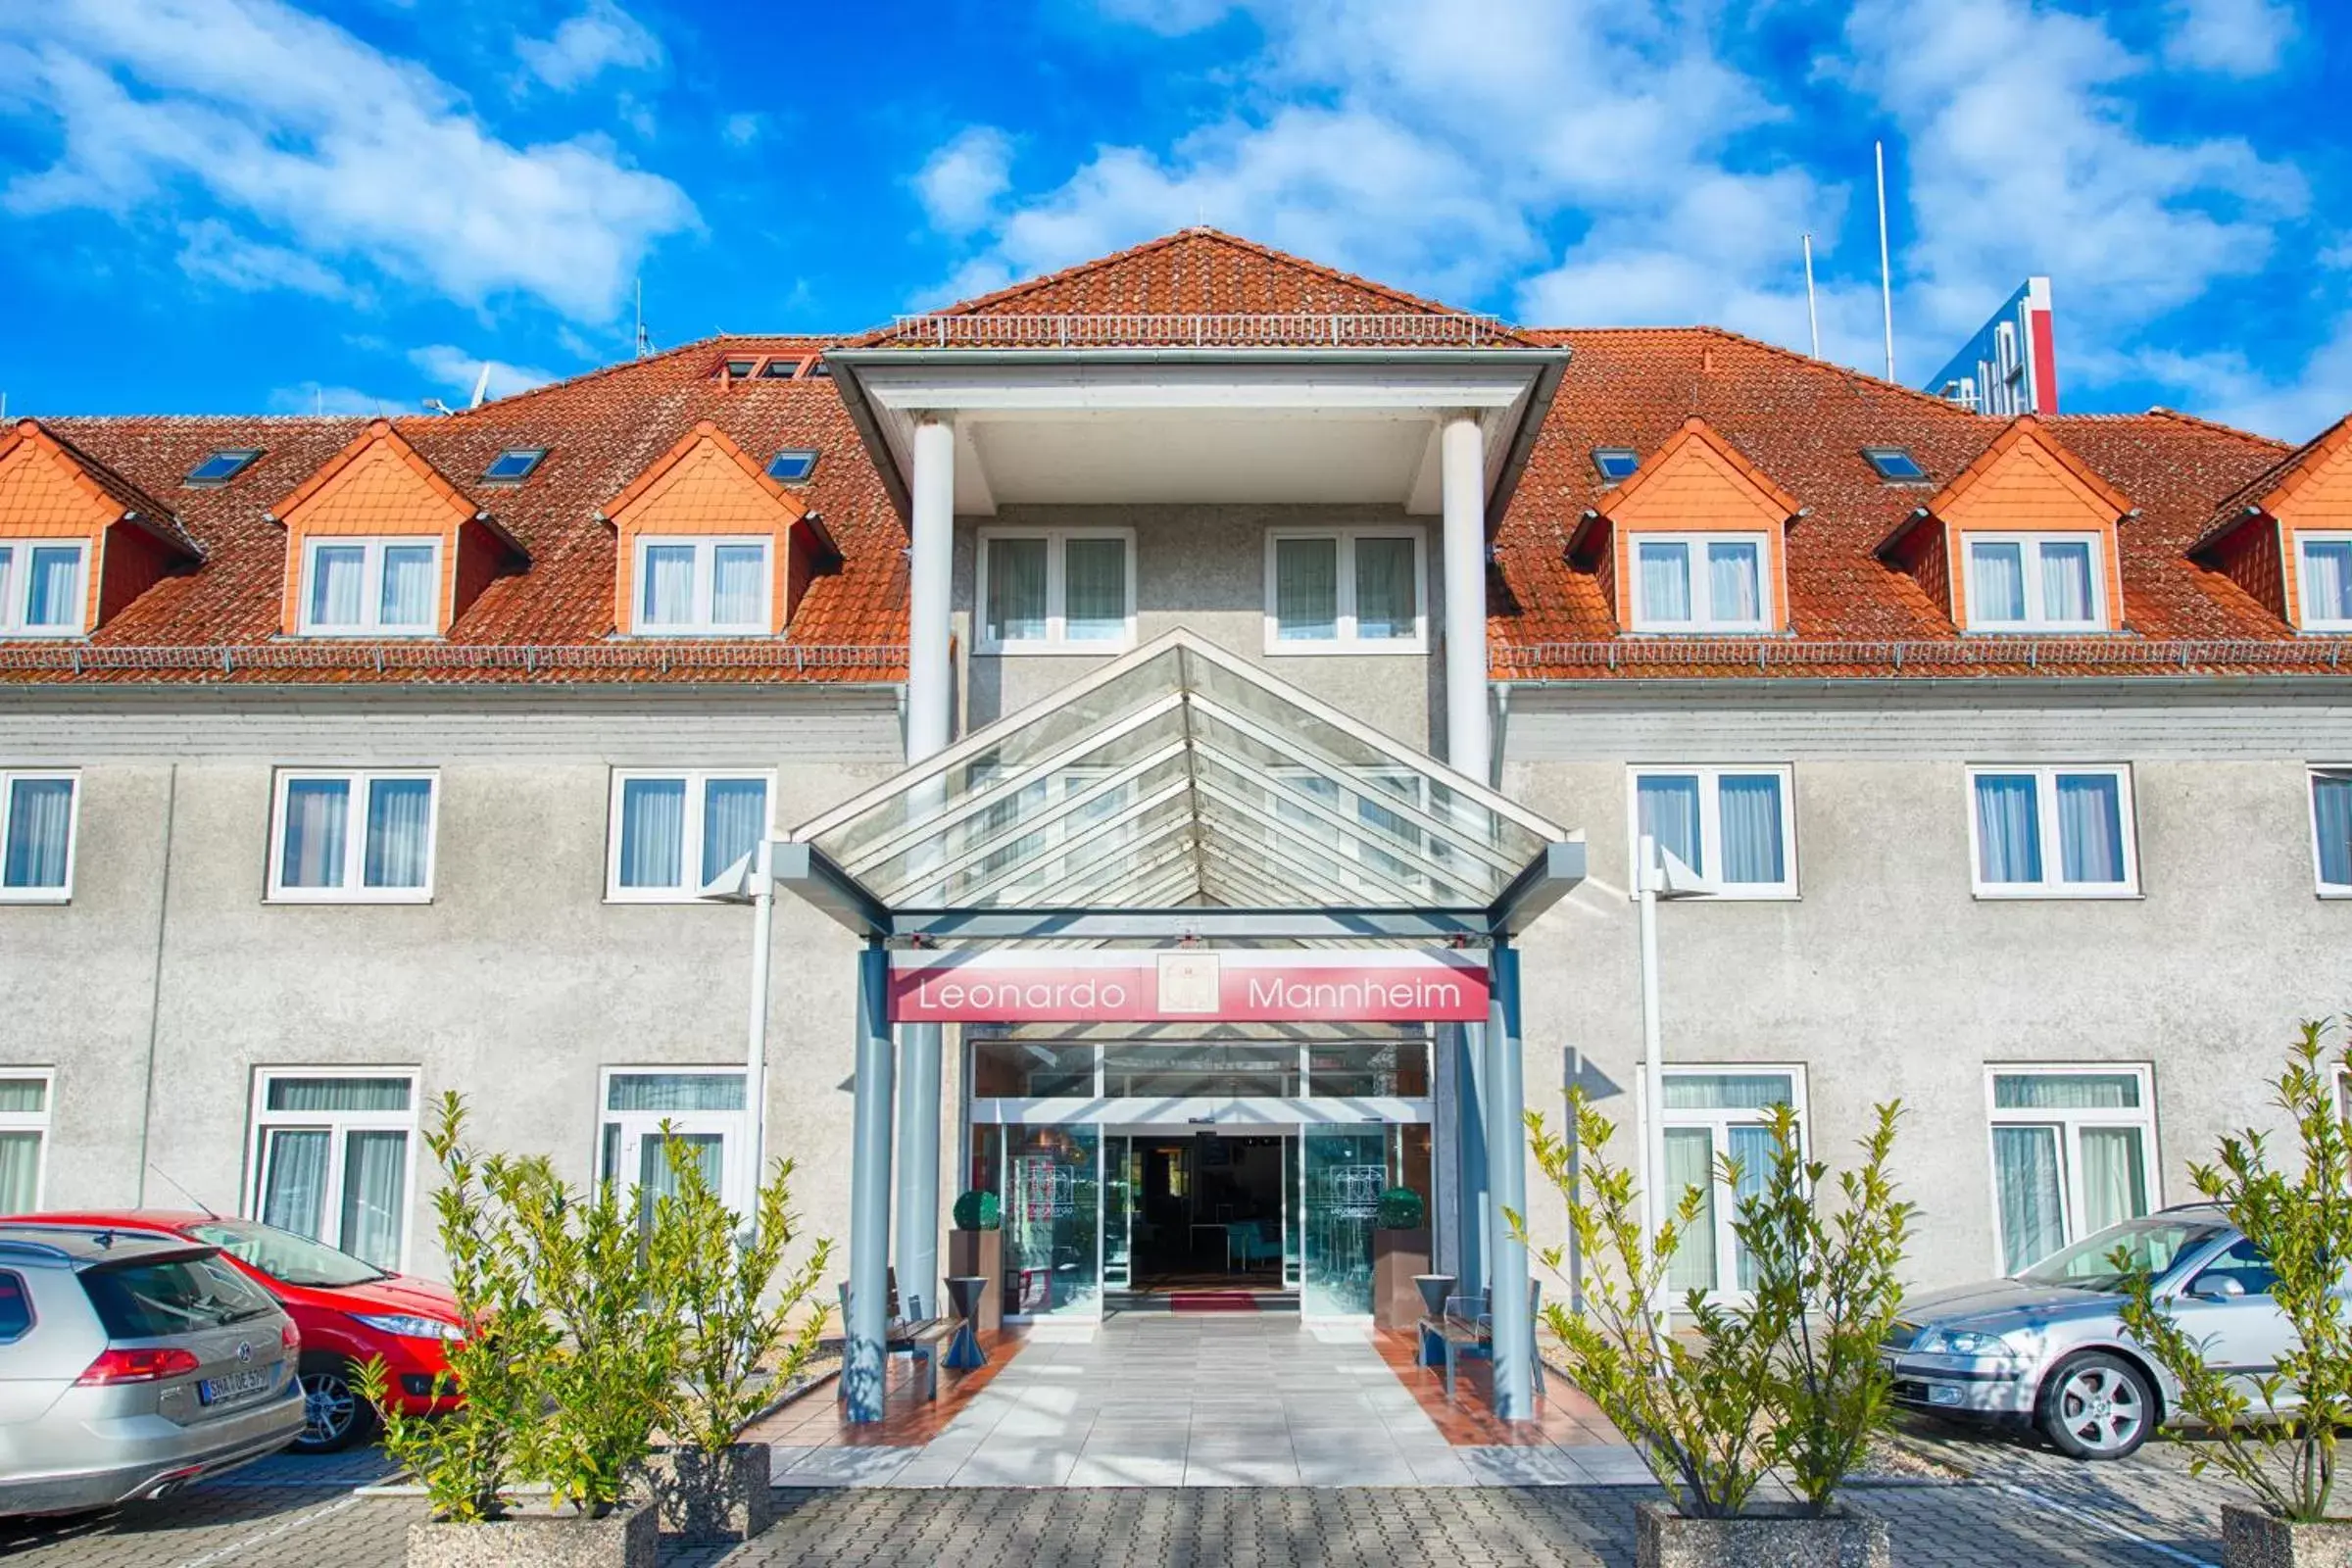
234 1386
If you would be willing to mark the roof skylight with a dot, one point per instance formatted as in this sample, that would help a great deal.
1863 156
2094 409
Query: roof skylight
512 466
739 370
222 466
792 466
1894 463
1616 463
779 369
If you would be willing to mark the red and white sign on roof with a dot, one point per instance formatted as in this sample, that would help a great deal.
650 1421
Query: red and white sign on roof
1190 983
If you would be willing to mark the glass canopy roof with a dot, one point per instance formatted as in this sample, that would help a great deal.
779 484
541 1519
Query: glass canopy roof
1181 777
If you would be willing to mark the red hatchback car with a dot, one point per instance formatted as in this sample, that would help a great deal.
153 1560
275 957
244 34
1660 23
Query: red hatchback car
347 1309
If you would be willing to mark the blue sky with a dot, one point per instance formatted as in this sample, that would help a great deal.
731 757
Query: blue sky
282 205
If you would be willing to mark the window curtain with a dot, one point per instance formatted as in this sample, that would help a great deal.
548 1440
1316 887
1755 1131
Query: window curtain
407 593
2090 828
2066 1090
338 1094
1690 1162
294 1195
1017 589
399 832
1751 828
2332 811
24 1096
656 1181
40 820
734 817
1668 810
1727 1090
55 591
2008 828
652 832
1665 583
738 574
316 812
1996 589
1751 1146
2111 1178
2024 1163
667 597
1384 588
337 575
1306 589
19 1172
674 1091
374 1176
8 604
1732 586
2328 579
2066 580
1094 589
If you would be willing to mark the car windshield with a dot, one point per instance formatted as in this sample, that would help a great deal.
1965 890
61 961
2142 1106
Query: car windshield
286 1257
141 1300
2151 1244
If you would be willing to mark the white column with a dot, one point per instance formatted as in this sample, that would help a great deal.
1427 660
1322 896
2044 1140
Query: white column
1462 476
934 537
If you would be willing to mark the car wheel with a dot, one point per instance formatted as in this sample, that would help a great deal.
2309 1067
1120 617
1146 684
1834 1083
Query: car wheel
335 1415
2097 1407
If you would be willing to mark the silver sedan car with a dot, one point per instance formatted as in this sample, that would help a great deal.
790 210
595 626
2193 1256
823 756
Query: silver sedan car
2046 1348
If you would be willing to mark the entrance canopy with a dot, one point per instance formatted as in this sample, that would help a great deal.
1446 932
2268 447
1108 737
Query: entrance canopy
1181 790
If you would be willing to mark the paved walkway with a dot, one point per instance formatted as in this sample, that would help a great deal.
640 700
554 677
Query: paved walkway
1226 1400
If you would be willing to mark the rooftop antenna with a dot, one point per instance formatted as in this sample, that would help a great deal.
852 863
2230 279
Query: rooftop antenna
1812 312
1885 270
481 386
317 400
434 403
645 344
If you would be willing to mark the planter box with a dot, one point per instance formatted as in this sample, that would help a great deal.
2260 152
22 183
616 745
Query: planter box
625 1538
712 1496
981 1254
2252 1539
1396 1256
1768 1536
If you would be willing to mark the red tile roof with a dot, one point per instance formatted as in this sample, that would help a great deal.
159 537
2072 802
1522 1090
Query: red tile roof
1802 422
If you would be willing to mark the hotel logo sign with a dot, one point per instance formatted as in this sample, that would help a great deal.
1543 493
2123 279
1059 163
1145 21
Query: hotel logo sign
1190 984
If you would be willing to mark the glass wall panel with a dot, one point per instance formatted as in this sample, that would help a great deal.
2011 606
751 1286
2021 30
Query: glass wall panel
1033 1069
1175 1072
1052 1220
1122 1182
1345 1172
1358 1070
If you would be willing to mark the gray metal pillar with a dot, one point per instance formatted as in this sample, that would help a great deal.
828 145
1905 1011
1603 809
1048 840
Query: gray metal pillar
918 1170
862 1358
1506 1176
1470 1154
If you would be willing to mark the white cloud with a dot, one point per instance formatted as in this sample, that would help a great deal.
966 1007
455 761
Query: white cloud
453 368
294 126
743 129
2292 403
2229 37
600 38
211 250
958 186
310 397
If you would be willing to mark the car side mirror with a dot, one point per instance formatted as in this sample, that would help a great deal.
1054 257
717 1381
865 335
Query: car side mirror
2217 1287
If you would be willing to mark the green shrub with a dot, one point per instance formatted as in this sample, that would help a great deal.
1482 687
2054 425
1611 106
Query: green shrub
2302 1225
978 1210
1402 1209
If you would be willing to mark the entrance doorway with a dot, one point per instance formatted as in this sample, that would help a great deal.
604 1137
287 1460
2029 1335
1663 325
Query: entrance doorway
1207 1212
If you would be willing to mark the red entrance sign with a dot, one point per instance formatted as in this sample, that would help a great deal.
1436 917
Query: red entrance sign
1200 985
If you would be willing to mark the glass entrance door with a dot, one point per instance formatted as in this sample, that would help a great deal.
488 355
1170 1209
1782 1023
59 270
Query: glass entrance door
1343 1173
1052 1220
1122 1186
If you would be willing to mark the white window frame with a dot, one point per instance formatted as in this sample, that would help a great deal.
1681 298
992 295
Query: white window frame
16 587
706 579
371 584
733 1127
1702 581
1348 641
1719 1124
2305 620
2045 811
2030 551
2070 1125
355 836
34 1121
2311 803
8 779
1710 776
689 890
1057 639
339 1125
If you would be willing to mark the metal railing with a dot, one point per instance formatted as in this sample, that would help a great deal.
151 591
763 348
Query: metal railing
1226 330
457 661
2151 656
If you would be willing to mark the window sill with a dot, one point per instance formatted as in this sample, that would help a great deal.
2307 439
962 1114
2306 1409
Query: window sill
2328 893
297 897
1772 895
39 634
1106 647
57 895
1401 646
2035 893
624 898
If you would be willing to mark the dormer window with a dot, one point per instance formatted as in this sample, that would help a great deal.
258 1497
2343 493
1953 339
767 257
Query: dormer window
1895 464
513 466
701 587
2035 582
708 543
221 467
792 466
42 590
1616 464
2324 567
368 587
1700 582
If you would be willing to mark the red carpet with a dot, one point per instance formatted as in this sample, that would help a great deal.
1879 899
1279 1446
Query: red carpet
1211 1302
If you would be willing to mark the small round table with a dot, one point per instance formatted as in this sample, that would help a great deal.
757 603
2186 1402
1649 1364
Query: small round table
963 1294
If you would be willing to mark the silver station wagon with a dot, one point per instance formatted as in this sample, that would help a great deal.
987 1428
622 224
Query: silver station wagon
2046 1348
131 1366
